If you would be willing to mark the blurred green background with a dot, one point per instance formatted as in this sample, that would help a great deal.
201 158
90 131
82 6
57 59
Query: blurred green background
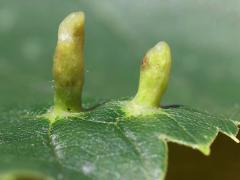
203 35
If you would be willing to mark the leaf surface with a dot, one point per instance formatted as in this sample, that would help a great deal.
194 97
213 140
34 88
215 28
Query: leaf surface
103 143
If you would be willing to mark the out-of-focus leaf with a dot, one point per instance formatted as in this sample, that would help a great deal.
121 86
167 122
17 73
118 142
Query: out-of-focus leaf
203 36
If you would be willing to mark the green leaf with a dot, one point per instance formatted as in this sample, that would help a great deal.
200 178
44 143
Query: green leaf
103 143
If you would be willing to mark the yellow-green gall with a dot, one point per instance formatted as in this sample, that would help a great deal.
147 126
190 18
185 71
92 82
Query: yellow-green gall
154 75
68 64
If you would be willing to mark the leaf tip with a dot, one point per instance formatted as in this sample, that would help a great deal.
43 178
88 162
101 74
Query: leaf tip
205 149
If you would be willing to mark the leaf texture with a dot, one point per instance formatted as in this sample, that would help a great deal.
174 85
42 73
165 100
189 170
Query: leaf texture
103 143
